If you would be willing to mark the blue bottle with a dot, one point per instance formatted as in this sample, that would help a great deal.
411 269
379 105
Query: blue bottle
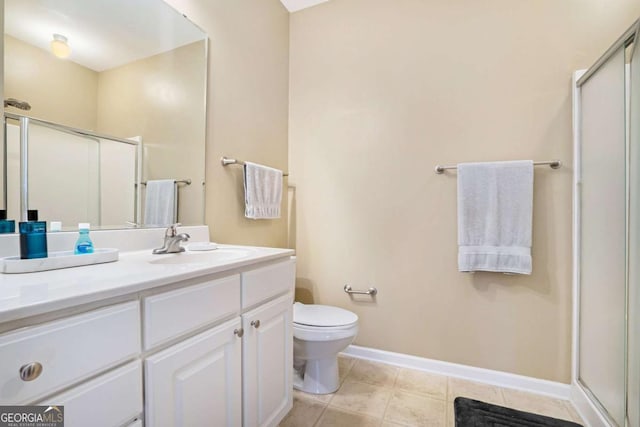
6 226
33 239
84 245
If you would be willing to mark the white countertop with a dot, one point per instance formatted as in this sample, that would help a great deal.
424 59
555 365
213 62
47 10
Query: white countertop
29 294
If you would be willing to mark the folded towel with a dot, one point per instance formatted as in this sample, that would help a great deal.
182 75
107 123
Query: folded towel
495 205
160 203
262 191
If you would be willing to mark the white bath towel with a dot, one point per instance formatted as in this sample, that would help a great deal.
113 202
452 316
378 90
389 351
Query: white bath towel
160 203
495 205
262 191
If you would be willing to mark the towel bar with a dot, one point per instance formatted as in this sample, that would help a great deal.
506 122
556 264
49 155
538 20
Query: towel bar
178 181
225 161
553 164
371 291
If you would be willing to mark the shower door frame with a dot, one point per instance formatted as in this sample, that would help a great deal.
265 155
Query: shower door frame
588 405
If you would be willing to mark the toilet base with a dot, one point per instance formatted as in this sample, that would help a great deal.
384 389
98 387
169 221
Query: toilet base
320 376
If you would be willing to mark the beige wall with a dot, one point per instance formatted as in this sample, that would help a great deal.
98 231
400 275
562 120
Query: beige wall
247 108
66 93
381 92
161 99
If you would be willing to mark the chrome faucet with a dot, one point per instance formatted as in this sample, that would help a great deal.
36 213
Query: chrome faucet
172 241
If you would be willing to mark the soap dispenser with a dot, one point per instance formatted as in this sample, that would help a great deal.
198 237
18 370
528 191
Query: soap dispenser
84 245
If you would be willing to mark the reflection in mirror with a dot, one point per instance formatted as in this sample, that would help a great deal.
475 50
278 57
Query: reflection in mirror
94 179
136 69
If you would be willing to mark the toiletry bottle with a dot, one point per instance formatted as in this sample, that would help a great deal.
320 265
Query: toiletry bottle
32 215
6 226
33 239
84 245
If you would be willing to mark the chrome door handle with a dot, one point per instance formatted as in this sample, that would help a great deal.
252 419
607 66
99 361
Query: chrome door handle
30 371
239 332
255 323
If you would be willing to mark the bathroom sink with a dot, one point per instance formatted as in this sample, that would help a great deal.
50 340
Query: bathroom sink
209 257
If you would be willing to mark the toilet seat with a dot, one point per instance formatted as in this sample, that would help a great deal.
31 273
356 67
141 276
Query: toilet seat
322 316
315 333
313 322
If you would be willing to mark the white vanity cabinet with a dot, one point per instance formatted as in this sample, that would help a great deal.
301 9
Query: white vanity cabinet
232 374
210 349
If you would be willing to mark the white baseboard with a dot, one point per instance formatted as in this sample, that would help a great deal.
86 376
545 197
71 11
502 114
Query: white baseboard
502 379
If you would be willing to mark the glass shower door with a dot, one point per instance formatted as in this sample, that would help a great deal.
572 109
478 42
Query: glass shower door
603 233
74 179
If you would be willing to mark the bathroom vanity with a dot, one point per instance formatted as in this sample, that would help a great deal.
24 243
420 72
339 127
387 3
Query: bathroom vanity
191 339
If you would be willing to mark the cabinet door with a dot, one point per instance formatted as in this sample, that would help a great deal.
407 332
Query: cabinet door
196 382
267 363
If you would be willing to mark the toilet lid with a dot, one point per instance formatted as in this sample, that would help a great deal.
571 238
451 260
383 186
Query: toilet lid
322 315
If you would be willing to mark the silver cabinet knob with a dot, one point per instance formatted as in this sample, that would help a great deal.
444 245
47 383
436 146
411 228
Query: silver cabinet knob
239 332
255 323
30 371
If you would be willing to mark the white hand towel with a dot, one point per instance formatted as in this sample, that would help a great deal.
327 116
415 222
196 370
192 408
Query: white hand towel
160 203
262 191
495 205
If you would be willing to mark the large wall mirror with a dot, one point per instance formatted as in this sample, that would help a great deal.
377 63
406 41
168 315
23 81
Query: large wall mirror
111 123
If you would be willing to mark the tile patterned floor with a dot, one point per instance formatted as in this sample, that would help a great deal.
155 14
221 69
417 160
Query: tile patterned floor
376 394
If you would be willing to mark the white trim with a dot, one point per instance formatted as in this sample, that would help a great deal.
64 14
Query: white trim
501 379
577 178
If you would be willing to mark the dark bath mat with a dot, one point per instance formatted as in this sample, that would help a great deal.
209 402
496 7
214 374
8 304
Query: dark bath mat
473 413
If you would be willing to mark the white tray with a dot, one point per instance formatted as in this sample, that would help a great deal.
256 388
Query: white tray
57 260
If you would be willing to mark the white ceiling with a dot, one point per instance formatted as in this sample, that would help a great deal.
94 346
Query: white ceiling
294 5
102 34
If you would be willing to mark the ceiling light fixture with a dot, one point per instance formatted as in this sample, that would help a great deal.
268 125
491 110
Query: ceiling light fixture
60 47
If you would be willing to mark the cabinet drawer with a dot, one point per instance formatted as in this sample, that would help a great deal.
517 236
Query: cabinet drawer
68 350
263 283
109 400
171 314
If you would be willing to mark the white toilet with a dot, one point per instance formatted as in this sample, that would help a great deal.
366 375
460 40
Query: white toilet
320 332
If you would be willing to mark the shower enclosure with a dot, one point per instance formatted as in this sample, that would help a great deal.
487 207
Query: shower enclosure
606 377
70 175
